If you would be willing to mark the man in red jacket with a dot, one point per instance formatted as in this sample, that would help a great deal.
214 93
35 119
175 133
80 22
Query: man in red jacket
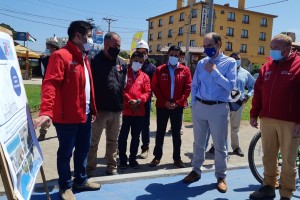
136 93
171 84
68 100
276 101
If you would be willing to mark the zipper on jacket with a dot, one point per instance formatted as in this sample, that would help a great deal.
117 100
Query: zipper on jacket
272 90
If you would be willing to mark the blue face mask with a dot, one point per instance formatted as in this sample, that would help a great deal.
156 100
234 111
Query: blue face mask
276 55
238 63
210 52
47 52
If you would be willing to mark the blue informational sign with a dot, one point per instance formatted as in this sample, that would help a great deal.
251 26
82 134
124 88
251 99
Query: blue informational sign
98 36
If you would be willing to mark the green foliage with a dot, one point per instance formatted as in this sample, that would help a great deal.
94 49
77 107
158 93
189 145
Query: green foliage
124 54
151 60
33 93
255 68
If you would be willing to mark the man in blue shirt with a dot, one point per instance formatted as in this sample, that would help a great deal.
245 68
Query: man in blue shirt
244 78
213 81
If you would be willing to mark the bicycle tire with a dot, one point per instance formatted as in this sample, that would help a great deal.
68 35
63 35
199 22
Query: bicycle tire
251 159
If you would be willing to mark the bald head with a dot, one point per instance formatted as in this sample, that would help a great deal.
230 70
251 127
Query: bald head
212 44
112 45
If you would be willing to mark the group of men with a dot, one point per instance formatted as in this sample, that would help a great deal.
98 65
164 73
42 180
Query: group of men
81 100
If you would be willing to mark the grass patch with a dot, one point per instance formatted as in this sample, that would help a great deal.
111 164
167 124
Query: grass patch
33 93
187 113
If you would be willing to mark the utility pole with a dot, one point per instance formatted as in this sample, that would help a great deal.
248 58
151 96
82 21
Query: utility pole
108 20
210 16
187 56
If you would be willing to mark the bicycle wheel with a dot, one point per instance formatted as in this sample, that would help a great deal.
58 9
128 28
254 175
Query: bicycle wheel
255 154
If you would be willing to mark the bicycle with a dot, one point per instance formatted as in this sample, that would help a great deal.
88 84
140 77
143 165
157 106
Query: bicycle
255 154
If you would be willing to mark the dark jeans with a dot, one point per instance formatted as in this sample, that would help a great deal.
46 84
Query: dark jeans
135 123
70 136
146 126
162 118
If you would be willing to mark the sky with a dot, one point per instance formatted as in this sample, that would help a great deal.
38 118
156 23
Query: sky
44 18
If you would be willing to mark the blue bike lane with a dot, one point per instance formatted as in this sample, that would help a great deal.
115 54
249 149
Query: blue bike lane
240 184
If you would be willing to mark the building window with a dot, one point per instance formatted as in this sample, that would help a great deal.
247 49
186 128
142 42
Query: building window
151 25
230 31
231 16
246 19
194 13
150 49
228 46
261 50
160 22
170 33
179 44
263 22
158 47
192 43
244 33
181 17
159 35
193 28
262 36
151 37
180 32
243 48
221 27
171 19
169 44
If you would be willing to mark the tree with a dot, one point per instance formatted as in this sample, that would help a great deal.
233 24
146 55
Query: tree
124 54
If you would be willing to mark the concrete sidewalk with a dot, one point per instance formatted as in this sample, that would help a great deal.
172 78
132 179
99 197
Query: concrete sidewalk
166 167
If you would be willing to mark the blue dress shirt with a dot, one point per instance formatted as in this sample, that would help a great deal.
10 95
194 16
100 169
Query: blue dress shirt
217 85
172 75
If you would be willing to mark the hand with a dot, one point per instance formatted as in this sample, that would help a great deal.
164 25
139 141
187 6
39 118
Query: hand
253 122
93 118
296 131
134 105
209 67
37 122
246 99
170 105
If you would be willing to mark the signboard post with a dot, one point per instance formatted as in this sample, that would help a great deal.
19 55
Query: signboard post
20 154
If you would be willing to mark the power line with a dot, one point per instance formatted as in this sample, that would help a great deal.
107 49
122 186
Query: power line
28 20
267 4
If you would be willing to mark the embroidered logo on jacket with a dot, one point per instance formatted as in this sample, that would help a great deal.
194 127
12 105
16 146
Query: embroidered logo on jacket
164 77
267 75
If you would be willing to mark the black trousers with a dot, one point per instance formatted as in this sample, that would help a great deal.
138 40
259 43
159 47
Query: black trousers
162 117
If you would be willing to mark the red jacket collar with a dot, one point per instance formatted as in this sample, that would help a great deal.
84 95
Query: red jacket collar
74 50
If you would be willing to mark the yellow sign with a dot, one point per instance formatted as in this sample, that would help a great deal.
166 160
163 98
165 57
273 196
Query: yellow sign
137 37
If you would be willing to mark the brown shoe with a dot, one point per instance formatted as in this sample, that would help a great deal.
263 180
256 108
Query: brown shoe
67 194
88 186
222 185
179 164
192 177
154 163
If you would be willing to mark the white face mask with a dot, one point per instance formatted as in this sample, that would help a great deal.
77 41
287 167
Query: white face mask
145 57
173 60
88 45
136 66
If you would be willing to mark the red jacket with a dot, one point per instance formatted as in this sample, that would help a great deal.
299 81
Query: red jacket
161 85
277 90
63 89
138 88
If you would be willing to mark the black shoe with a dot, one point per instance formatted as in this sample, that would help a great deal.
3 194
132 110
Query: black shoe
211 150
265 192
134 164
238 152
179 164
285 198
123 166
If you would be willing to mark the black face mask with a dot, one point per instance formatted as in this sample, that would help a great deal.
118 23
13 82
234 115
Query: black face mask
113 52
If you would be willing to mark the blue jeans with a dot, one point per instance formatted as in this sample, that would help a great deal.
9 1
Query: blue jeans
72 136
146 128
162 118
135 123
